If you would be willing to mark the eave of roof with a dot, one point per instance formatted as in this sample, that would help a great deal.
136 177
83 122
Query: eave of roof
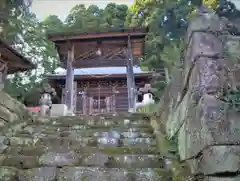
63 36
100 73
104 76
6 45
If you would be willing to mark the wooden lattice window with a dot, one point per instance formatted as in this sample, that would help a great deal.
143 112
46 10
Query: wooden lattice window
99 102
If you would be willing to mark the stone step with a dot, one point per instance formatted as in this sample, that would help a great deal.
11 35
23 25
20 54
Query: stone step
55 129
123 133
81 174
81 141
121 117
92 124
39 150
69 121
107 174
32 129
71 158
121 161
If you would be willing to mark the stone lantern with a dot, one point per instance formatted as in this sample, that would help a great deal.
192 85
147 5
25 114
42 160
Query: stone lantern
46 100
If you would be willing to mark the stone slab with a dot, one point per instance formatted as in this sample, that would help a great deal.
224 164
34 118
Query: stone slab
178 115
59 159
113 174
236 178
39 150
217 160
19 161
8 173
38 174
14 106
210 123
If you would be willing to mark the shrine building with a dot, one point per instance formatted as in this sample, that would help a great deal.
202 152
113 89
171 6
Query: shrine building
99 72
11 62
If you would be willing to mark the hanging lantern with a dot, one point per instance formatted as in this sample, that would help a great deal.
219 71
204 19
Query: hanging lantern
99 52
99 49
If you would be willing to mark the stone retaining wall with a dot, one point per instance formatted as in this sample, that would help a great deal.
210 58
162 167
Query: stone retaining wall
193 107
13 114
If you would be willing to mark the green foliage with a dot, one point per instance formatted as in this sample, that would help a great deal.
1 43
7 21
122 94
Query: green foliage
29 39
93 18
10 11
148 109
231 49
53 24
167 22
232 97
167 148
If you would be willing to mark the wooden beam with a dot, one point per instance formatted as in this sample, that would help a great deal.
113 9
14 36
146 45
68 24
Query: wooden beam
96 36
111 53
69 79
13 63
130 78
115 53
3 73
85 54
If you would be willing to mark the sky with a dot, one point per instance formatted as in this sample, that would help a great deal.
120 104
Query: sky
237 3
61 8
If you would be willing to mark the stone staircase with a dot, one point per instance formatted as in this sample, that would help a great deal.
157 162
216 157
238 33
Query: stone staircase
121 148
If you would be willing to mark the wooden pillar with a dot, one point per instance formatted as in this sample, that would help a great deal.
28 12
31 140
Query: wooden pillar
114 100
69 79
130 79
3 73
108 105
84 101
99 101
75 96
90 106
63 98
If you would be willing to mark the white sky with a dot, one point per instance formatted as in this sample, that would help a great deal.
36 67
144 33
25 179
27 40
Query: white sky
237 3
61 8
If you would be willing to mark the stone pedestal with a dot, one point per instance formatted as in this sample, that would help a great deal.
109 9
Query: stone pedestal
43 110
59 110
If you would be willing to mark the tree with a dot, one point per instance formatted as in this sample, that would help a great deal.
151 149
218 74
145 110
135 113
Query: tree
167 22
32 43
53 24
77 16
10 10
228 10
95 19
115 15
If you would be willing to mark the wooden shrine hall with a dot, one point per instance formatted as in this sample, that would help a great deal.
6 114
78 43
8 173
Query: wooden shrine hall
11 62
99 70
